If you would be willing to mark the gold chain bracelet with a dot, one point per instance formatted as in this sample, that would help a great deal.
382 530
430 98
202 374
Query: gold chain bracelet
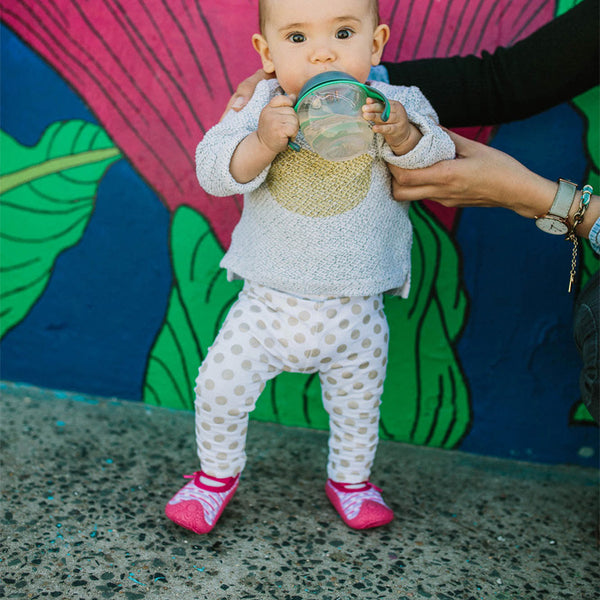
586 193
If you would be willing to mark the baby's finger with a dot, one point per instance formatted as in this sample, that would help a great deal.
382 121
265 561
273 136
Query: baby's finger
281 100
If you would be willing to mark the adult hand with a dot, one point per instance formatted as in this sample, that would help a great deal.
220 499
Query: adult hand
479 176
244 91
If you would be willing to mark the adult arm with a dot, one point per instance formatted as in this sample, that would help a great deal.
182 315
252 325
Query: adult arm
484 176
552 65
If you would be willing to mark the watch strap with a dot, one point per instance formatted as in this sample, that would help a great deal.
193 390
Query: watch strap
565 195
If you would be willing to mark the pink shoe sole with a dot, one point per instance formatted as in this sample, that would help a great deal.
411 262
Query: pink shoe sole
363 508
198 507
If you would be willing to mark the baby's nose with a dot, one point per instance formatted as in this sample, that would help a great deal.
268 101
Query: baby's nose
322 54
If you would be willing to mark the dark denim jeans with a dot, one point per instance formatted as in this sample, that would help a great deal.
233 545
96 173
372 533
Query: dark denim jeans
586 326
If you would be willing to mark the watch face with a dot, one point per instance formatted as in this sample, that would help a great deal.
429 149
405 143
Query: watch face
550 225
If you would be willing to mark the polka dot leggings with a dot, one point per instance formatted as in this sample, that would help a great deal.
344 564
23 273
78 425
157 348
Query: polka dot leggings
266 332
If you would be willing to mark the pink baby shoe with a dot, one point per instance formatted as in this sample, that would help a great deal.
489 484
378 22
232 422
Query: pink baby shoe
360 508
198 506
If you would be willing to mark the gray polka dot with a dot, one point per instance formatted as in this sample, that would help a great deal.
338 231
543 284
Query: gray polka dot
239 390
300 338
377 328
366 319
220 438
372 374
261 324
292 321
292 302
366 343
330 338
238 313
356 309
209 384
331 313
236 349
227 374
219 420
219 357
221 400
246 365
255 308
228 335
270 343
244 327
342 348
304 315
344 324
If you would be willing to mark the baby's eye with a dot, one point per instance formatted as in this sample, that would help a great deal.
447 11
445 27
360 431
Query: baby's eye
296 38
344 34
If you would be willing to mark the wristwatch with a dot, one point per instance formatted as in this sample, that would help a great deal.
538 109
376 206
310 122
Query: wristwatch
555 221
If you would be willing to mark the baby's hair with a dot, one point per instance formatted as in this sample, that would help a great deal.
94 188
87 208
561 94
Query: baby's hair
263 10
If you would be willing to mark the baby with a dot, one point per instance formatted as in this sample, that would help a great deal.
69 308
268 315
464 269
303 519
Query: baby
317 245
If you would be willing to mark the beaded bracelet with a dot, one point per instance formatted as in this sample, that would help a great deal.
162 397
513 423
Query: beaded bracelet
586 194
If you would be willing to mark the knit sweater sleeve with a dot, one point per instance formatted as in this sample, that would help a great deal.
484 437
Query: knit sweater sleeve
214 152
434 146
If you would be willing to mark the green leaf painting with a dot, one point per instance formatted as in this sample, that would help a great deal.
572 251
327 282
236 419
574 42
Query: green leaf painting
198 303
47 197
425 399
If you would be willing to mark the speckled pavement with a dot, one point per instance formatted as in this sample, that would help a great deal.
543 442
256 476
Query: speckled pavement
84 482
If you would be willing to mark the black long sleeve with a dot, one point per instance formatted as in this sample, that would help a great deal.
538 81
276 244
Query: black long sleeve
554 64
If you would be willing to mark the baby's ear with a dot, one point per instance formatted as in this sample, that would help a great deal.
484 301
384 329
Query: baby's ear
261 46
381 35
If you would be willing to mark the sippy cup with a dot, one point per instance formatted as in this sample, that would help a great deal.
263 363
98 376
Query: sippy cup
329 112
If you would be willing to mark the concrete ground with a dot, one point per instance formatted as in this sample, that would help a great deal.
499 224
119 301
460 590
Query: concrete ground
84 482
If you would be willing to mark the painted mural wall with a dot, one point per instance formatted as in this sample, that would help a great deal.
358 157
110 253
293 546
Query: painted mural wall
110 250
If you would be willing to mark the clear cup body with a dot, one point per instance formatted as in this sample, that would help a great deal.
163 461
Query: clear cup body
331 121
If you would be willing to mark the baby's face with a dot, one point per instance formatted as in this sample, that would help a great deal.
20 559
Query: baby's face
302 39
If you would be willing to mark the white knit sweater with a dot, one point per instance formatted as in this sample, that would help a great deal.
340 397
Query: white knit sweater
314 227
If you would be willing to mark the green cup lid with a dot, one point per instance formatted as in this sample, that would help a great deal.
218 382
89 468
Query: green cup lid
332 77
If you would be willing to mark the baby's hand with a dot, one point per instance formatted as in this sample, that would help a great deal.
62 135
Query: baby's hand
400 134
278 123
